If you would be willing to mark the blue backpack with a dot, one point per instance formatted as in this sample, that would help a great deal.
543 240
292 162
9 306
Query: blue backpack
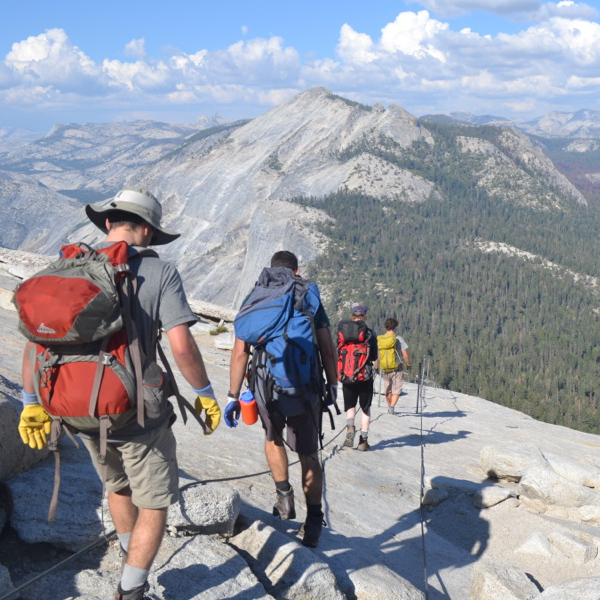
277 320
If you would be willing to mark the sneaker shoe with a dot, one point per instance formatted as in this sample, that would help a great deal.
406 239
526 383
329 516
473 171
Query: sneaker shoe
391 410
284 507
350 433
135 594
363 445
311 529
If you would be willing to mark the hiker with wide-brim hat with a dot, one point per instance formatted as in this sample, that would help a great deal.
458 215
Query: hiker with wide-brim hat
140 484
138 202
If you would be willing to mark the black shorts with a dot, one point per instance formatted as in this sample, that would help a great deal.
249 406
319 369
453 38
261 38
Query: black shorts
302 431
359 391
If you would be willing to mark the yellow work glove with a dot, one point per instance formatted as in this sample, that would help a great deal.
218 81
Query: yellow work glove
34 426
213 412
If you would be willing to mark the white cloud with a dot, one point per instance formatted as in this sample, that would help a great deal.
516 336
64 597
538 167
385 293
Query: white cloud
51 59
355 47
414 35
136 48
417 61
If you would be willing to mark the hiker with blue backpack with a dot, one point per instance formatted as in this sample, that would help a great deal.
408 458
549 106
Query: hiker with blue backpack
357 362
283 344
93 319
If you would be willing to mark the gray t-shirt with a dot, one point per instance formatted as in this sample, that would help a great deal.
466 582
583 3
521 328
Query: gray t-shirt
159 303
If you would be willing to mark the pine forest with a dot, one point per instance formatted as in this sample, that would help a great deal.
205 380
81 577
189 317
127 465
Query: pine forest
520 328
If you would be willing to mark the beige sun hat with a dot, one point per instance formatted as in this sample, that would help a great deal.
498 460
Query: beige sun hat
139 202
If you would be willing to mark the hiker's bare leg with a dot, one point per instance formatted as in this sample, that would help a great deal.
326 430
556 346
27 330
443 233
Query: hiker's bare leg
146 526
365 420
146 537
277 460
388 399
123 511
350 413
393 399
312 477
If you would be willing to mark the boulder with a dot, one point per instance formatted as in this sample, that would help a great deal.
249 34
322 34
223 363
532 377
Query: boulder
489 496
542 483
287 569
576 589
206 508
574 471
493 581
510 462
377 581
577 548
536 545
6 584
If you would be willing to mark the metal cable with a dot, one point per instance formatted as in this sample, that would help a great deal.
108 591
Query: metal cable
420 400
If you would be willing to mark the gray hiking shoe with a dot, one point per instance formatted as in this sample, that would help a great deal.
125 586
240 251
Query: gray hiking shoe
135 594
310 530
363 445
350 433
391 410
284 507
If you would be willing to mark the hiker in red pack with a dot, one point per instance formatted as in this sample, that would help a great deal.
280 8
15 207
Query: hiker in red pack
132 446
357 362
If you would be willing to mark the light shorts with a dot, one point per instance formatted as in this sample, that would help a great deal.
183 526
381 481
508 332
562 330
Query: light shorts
392 382
147 464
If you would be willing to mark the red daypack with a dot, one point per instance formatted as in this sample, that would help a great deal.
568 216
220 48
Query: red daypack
353 351
86 362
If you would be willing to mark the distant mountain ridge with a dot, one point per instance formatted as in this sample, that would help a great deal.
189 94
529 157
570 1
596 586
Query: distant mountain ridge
228 188
583 123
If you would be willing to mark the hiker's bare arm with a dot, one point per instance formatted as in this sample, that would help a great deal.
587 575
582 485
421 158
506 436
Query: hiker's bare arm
326 349
187 356
237 368
406 357
26 371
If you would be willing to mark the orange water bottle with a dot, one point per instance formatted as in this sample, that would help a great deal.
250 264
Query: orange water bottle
249 408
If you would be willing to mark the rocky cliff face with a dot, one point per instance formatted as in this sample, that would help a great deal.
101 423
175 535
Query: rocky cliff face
227 196
229 188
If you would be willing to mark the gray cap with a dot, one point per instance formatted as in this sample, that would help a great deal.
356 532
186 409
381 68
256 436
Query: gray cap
138 202
358 310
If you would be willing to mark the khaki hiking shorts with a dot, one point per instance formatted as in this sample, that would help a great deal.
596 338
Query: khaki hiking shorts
147 464
392 382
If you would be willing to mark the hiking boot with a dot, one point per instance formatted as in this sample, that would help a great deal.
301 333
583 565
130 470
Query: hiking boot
350 433
363 445
135 594
391 410
284 507
311 529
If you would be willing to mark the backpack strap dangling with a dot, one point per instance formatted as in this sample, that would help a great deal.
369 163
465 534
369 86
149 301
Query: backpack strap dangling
127 290
183 404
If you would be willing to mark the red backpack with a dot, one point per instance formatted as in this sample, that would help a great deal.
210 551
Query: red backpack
88 368
353 351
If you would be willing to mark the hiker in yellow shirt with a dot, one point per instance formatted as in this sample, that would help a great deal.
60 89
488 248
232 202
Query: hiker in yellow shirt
393 351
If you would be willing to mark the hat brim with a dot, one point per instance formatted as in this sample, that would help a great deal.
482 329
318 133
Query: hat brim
161 236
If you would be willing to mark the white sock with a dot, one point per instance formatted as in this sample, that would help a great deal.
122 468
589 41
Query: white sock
133 578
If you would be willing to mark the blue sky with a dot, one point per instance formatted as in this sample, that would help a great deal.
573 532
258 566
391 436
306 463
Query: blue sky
66 61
